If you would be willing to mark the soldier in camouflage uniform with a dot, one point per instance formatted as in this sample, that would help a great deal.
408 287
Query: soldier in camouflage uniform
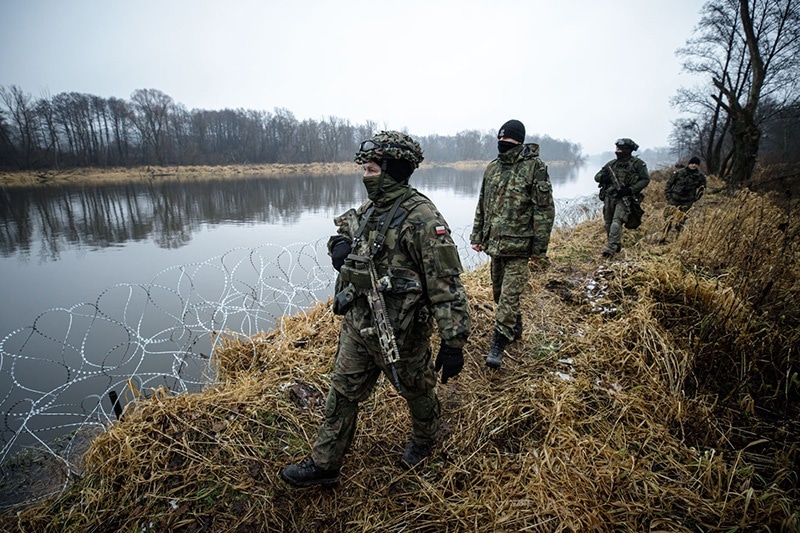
682 190
419 269
512 225
632 176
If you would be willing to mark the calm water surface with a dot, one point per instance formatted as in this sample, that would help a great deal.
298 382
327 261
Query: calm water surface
63 245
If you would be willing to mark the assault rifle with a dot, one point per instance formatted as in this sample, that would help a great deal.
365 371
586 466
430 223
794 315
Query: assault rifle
386 336
615 180
635 211
377 304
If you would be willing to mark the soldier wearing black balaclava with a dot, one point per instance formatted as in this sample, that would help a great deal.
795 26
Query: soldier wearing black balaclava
513 221
621 182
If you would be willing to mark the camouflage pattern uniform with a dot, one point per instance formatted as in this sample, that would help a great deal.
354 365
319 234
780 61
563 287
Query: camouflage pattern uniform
631 172
682 188
513 221
422 262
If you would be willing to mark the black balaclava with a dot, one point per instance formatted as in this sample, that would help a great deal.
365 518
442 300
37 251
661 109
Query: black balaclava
505 146
399 169
623 154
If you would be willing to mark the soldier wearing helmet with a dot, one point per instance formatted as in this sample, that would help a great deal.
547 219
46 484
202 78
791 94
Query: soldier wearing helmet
621 182
409 244
513 220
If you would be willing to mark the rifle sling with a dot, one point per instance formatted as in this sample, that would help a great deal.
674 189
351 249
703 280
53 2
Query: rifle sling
383 224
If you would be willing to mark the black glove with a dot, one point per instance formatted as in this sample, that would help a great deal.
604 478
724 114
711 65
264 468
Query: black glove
339 248
605 179
623 192
450 361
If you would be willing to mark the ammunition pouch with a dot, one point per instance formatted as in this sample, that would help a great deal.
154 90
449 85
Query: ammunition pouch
355 270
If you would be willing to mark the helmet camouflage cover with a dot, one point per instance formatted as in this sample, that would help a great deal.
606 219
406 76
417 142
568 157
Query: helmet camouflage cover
627 143
390 145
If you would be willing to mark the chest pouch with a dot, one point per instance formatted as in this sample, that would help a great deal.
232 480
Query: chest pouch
355 270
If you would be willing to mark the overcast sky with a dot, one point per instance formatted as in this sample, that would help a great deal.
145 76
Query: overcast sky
589 71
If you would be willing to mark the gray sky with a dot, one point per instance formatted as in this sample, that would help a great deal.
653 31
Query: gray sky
589 71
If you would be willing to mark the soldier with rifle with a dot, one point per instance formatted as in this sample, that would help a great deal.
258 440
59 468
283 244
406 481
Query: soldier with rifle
621 182
399 275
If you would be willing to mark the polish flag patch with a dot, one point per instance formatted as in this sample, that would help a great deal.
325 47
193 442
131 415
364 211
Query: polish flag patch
441 230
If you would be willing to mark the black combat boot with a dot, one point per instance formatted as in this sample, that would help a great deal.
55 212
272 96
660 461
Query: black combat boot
414 454
307 474
495 357
518 328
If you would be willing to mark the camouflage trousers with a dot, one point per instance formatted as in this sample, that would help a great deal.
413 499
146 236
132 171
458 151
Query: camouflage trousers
615 214
358 364
675 217
509 279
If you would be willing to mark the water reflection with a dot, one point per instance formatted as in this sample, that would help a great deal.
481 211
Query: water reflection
170 212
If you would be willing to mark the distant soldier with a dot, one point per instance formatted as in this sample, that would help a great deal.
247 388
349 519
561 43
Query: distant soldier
621 183
399 273
682 190
513 221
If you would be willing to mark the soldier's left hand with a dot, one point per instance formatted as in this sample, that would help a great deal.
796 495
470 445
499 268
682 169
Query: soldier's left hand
450 361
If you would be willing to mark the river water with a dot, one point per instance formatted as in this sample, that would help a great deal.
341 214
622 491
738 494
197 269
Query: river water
102 284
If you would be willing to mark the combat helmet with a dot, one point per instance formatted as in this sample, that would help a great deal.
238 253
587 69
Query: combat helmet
626 144
390 145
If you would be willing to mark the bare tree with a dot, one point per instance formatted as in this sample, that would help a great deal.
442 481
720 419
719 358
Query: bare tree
748 50
23 131
151 109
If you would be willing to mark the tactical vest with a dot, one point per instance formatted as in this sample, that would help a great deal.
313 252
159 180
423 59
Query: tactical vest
627 171
377 237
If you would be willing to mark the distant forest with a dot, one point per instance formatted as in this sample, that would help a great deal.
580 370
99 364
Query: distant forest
82 130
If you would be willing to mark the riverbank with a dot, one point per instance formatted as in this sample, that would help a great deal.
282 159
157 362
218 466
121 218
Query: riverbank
653 392
100 176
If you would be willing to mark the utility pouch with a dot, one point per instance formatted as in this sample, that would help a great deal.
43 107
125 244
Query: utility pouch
635 216
355 270
343 300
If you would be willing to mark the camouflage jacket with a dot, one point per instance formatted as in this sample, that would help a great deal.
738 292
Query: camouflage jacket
515 211
682 186
422 262
630 172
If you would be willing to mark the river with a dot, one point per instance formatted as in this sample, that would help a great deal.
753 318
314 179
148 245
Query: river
101 284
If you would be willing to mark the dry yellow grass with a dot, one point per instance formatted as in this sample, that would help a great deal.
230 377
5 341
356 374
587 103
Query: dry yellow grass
94 176
87 176
636 401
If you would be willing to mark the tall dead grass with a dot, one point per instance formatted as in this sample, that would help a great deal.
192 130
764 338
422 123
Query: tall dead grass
636 401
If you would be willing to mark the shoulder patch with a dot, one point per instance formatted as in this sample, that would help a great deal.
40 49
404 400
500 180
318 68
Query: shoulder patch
440 230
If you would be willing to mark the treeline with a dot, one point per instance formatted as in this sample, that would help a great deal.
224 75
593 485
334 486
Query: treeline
746 105
79 130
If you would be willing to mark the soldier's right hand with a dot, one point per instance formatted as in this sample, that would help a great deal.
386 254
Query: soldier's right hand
339 248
